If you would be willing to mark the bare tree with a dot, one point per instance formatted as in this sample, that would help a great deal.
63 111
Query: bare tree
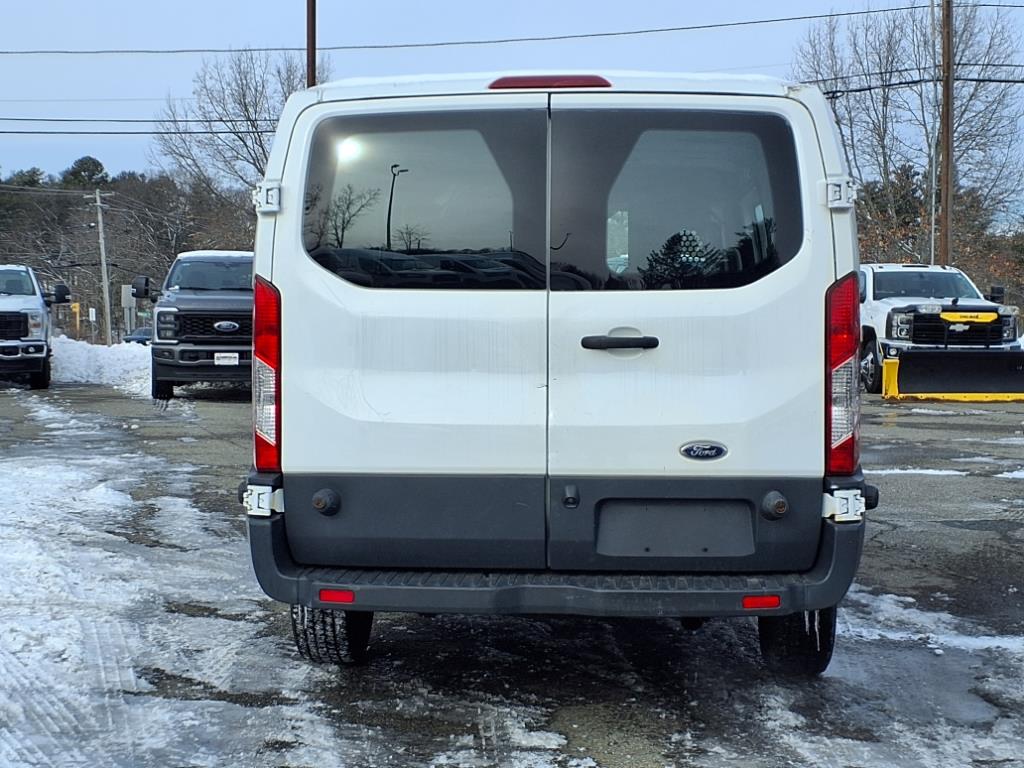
326 224
223 135
412 236
881 71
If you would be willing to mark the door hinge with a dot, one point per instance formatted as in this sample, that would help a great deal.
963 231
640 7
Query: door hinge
844 506
262 500
839 192
266 197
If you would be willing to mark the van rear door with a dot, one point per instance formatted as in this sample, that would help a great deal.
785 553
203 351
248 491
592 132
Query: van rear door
414 333
688 267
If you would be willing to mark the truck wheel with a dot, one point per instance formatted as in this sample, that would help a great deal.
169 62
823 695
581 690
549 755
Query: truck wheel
335 637
871 367
799 644
40 380
160 390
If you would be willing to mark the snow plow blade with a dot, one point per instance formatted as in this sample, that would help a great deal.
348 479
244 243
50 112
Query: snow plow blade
966 376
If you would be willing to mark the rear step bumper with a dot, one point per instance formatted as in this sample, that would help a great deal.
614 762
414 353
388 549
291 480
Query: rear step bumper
547 592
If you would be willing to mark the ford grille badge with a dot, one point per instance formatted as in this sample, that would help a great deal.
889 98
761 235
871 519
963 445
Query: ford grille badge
226 326
703 450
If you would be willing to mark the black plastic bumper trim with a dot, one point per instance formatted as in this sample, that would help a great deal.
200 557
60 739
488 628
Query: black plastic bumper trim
549 592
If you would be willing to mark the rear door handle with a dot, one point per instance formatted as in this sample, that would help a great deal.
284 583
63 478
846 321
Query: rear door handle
619 342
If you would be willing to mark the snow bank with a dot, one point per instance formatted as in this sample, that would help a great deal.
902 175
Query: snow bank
124 366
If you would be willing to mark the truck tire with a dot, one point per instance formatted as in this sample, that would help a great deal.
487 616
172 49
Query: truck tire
871 367
160 390
799 644
331 637
40 380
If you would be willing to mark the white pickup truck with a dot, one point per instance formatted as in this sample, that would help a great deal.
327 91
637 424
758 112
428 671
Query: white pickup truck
920 307
25 324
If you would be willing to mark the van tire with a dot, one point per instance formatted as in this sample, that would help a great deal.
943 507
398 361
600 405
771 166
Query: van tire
871 367
325 636
40 380
799 644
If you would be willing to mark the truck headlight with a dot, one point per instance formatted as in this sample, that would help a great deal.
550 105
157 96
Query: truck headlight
35 324
1008 316
165 325
902 323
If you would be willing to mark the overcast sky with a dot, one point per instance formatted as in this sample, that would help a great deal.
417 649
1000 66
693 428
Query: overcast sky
137 86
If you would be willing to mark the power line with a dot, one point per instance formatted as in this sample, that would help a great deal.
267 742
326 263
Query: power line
477 42
135 133
134 120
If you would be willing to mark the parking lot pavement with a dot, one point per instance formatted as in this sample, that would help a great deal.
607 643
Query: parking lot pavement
132 631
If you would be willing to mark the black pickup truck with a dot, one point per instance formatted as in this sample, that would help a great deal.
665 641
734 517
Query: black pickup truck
202 320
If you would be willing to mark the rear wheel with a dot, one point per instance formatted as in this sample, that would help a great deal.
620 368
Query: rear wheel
40 380
798 644
333 637
871 367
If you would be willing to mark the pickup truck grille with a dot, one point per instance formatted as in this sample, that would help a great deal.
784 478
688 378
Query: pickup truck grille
199 328
13 325
932 329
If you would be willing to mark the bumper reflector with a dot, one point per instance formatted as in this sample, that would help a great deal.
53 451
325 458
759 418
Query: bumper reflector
760 602
337 596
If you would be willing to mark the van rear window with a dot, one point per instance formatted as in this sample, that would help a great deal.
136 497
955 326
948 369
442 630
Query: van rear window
671 199
452 200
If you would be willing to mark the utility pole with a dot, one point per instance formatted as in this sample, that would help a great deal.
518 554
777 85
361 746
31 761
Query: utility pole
310 43
103 266
946 230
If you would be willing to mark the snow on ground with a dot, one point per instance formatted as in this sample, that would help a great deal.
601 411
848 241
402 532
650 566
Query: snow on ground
124 366
913 471
1015 475
88 641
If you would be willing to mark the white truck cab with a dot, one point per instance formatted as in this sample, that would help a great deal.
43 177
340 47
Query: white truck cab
25 324
564 344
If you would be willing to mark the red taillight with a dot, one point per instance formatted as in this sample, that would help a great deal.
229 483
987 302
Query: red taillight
550 81
266 376
842 376
761 602
337 596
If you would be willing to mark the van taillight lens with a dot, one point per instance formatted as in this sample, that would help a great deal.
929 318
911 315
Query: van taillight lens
842 381
266 376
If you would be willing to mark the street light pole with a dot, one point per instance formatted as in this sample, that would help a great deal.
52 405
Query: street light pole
395 171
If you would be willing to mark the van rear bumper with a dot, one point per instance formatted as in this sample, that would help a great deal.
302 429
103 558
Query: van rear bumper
553 592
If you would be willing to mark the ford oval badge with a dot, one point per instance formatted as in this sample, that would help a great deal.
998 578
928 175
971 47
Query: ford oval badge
227 326
703 450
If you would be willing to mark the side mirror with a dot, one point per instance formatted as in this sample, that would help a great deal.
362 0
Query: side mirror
61 294
996 293
140 288
863 293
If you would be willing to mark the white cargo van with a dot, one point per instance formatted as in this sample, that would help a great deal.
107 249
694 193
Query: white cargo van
562 344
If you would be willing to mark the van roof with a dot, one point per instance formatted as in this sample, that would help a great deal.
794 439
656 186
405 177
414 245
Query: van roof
895 266
479 82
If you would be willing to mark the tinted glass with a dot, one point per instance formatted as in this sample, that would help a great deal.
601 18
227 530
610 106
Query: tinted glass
195 275
923 284
16 282
658 199
434 200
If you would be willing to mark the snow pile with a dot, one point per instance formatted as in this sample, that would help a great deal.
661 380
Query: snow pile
124 366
